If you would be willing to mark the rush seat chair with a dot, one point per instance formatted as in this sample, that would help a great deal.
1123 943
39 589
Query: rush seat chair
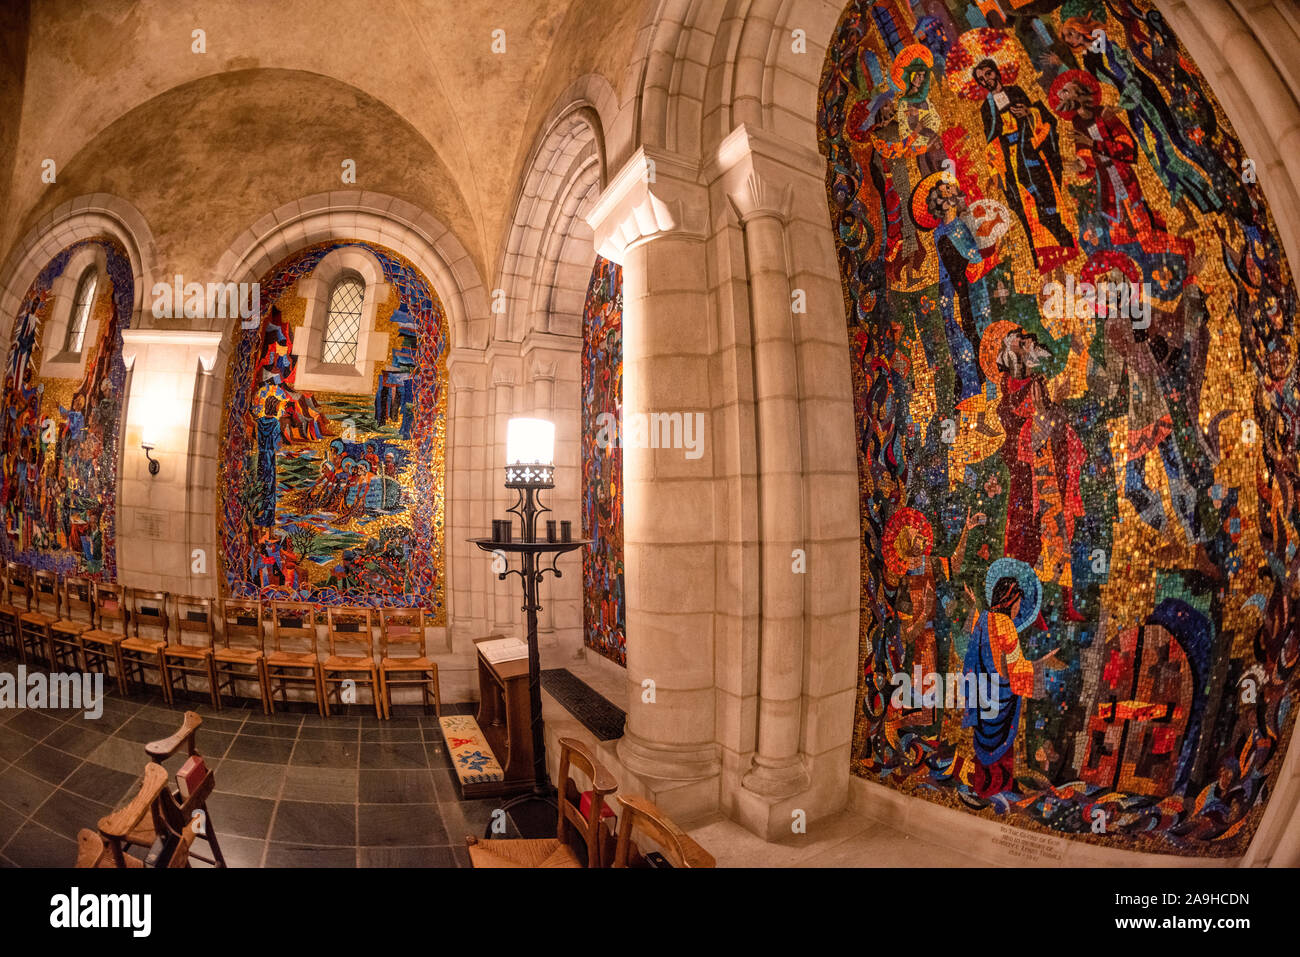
294 658
240 653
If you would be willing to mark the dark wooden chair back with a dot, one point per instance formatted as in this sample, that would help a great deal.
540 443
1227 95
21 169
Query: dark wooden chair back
401 628
353 627
148 610
18 582
45 593
110 608
293 626
79 600
194 619
241 623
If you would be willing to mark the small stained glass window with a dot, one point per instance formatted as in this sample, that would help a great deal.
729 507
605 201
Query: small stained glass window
84 299
343 321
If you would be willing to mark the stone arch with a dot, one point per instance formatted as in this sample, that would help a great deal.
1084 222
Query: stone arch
546 267
548 250
81 218
104 233
395 223
338 215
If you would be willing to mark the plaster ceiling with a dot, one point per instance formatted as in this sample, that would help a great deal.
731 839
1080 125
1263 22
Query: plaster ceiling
411 89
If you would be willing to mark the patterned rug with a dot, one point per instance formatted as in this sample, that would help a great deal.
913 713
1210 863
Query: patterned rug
471 758
597 714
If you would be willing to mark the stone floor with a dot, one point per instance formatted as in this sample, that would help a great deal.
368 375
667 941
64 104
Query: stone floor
298 790
846 839
293 790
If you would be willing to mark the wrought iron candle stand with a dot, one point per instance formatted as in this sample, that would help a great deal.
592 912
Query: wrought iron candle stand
529 481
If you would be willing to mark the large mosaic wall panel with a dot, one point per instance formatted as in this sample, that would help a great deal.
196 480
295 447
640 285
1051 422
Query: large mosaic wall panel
337 498
1074 363
604 607
59 448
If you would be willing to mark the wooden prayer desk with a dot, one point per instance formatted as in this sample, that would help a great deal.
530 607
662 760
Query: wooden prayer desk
503 716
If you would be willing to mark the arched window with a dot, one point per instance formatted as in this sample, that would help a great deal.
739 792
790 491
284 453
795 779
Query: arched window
82 302
343 321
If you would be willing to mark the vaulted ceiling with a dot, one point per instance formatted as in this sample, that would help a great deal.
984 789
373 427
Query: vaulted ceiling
206 143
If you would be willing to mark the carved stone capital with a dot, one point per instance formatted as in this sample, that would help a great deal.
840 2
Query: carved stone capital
203 346
757 172
656 194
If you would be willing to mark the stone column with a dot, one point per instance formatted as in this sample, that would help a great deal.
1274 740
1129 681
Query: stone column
762 202
467 510
652 220
779 291
505 600
543 382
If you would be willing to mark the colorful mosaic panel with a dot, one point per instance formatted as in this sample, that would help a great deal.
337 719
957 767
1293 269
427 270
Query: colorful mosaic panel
1073 354
59 449
328 497
604 608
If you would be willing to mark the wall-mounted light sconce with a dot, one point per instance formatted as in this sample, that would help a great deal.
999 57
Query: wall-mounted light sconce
153 463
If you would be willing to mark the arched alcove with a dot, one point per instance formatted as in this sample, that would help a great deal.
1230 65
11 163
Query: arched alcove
60 445
335 497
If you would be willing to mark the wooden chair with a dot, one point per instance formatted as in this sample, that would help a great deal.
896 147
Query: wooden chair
179 811
640 816
108 846
181 856
351 626
94 851
102 645
78 618
294 658
240 653
404 627
193 617
14 603
34 625
557 851
157 817
147 609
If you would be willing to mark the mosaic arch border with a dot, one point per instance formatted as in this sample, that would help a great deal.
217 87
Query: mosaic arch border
1235 839
71 437
82 217
425 495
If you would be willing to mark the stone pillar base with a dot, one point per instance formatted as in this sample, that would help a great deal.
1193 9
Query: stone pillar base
767 816
684 763
776 779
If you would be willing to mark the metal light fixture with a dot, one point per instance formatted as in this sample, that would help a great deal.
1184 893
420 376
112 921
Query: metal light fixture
530 453
530 468
148 445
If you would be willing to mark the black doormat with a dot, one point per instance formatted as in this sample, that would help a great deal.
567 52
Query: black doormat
597 714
